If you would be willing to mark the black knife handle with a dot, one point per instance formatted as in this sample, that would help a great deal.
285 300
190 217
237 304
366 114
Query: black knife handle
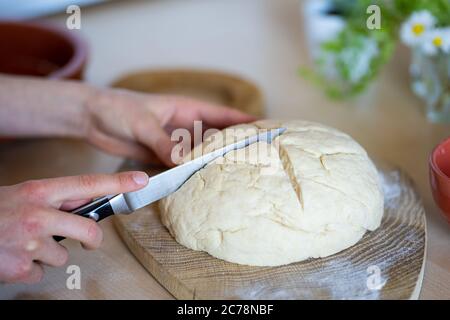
96 210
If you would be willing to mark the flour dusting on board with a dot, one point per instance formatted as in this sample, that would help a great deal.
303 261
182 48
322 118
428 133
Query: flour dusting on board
391 187
338 278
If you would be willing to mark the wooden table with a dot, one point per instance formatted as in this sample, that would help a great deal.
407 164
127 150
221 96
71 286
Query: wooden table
263 41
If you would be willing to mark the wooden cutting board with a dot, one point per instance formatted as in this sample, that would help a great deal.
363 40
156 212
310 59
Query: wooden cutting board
386 264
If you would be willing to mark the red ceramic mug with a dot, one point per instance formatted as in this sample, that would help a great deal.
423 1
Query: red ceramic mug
439 168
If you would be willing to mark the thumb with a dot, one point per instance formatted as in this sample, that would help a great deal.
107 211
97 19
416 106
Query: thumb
81 187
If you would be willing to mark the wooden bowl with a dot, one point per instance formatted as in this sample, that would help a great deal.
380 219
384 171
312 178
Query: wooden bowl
40 49
209 86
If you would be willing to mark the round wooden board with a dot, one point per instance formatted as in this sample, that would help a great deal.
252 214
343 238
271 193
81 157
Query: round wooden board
212 86
393 256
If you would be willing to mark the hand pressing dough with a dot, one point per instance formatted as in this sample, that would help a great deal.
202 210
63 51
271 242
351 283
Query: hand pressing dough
319 196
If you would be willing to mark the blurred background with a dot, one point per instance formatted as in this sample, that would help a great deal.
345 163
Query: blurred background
25 9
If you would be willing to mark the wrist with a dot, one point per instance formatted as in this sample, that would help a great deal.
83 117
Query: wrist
42 108
89 104
78 117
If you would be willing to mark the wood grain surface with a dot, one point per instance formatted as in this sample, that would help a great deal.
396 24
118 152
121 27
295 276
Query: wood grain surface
396 250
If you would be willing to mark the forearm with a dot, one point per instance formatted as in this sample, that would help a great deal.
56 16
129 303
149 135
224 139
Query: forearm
37 107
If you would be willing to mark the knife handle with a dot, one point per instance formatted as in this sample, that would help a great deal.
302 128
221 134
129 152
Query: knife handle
96 210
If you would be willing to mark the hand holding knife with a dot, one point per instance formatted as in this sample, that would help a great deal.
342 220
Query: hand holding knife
163 184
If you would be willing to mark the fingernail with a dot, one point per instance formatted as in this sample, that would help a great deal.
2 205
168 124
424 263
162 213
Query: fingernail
141 178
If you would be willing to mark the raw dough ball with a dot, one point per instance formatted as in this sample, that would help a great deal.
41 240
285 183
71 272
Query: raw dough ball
319 196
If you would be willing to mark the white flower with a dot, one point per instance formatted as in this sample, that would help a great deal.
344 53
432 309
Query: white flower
436 40
414 29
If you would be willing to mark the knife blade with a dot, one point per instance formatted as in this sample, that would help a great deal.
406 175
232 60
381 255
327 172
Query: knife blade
163 184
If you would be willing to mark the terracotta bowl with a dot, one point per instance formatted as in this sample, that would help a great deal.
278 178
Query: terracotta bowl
207 85
439 169
40 49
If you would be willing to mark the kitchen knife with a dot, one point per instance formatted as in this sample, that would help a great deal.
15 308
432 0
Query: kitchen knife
163 184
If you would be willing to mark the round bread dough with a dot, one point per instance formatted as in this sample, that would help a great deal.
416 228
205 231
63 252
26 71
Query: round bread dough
314 194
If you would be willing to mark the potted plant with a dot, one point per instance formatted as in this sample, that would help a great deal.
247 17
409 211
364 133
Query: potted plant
352 55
